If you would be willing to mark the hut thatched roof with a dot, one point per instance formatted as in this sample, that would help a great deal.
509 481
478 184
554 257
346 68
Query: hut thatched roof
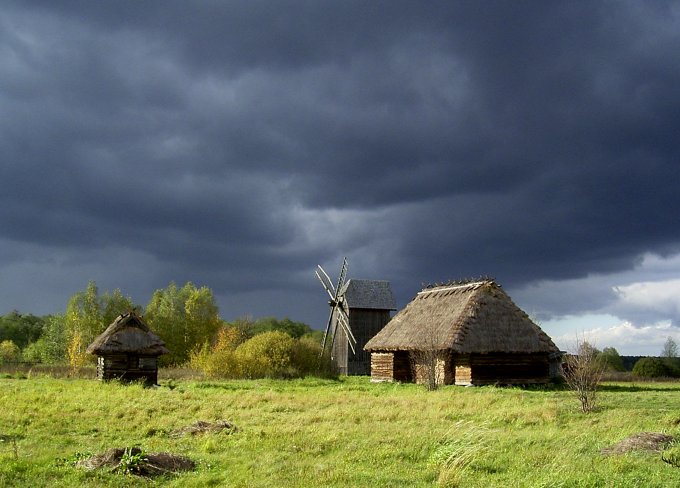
467 318
128 334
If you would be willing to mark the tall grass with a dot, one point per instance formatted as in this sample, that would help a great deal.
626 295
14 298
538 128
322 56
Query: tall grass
335 433
463 444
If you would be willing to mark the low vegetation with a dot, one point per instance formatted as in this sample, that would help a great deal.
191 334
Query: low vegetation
272 354
185 318
582 373
345 432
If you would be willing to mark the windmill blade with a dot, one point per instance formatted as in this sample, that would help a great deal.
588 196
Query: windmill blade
341 278
344 313
325 334
343 320
325 281
334 335
339 316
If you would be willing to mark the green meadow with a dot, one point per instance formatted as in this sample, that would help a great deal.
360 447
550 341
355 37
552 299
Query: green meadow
327 433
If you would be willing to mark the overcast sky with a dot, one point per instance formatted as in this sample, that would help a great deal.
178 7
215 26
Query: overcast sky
239 144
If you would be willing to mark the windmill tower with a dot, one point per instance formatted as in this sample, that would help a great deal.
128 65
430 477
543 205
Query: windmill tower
359 310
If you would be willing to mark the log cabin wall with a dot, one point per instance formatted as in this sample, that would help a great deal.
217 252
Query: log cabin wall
128 367
463 371
382 366
419 368
510 369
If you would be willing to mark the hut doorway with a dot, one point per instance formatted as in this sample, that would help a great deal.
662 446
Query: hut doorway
402 367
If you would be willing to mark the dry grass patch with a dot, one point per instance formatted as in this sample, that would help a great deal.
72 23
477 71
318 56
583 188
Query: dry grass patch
644 441
202 427
135 461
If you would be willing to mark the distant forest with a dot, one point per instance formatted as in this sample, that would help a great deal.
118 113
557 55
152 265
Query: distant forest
186 318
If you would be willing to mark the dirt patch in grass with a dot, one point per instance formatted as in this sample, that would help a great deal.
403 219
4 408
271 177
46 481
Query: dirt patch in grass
202 427
644 441
135 461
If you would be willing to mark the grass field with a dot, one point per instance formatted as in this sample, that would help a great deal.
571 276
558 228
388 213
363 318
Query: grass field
343 433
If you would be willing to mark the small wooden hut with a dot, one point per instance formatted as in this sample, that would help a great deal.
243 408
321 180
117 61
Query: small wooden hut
478 334
128 350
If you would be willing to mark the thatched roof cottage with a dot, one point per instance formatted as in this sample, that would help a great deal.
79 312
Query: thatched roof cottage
128 350
478 334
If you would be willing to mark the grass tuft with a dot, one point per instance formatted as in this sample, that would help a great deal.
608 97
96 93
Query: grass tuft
672 455
464 444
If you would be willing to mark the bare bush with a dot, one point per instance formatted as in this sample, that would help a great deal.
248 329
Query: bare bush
583 373
428 362
428 367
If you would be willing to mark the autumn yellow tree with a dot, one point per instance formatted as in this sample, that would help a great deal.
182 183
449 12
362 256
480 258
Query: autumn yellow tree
77 357
88 314
217 360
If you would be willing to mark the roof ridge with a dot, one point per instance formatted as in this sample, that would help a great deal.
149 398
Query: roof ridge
456 286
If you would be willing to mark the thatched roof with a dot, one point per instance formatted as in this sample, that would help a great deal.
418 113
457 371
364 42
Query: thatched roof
128 334
371 294
467 318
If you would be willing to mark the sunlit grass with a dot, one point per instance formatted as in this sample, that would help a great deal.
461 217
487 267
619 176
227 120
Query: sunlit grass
314 432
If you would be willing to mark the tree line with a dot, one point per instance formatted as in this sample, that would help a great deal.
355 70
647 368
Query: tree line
186 318
667 364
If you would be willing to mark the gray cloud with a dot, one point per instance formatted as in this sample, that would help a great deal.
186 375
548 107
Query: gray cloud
237 145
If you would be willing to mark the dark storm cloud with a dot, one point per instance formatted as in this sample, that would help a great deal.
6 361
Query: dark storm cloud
239 144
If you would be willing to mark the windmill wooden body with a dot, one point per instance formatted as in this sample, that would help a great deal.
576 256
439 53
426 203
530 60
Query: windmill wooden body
359 310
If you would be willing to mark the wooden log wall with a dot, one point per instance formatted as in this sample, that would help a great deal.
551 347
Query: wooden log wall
510 369
128 367
382 366
463 371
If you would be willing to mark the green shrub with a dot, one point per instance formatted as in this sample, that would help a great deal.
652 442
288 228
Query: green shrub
267 355
273 354
218 360
673 366
33 353
307 359
650 368
9 352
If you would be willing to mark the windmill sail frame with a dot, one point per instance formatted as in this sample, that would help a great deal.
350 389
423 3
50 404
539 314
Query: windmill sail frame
339 315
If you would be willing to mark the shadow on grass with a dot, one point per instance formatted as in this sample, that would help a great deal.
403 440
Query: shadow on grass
638 388
29 370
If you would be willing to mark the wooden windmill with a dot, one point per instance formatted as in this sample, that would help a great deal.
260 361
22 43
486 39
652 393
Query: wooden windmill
339 311
359 310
